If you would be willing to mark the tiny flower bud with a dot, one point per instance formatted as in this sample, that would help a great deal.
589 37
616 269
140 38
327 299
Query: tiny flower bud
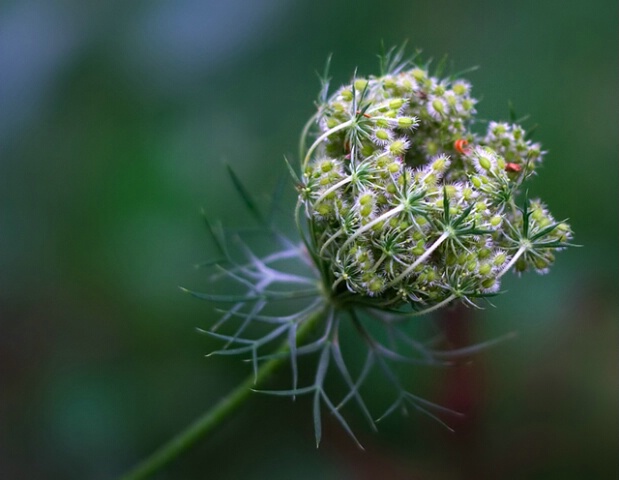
396 103
398 147
405 122
361 84
496 220
485 269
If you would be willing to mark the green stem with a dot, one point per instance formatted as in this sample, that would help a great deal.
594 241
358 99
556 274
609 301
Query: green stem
513 261
421 259
212 418
385 216
325 135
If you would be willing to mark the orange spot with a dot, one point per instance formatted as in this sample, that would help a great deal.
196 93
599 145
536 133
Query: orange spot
460 146
513 167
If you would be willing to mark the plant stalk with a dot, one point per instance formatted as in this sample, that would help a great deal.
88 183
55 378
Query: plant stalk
205 424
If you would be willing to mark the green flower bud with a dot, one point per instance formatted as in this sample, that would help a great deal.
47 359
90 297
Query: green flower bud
485 269
347 95
405 122
361 84
396 103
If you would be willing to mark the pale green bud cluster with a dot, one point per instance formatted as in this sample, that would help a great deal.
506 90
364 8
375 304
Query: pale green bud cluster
407 205
510 141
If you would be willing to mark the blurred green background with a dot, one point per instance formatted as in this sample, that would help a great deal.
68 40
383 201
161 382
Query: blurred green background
115 120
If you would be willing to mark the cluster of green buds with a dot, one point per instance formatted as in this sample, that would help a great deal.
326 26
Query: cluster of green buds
406 204
403 208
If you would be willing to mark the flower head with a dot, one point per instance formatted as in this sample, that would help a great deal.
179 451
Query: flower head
403 210
435 191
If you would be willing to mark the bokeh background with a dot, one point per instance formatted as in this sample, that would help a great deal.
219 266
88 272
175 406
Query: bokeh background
115 120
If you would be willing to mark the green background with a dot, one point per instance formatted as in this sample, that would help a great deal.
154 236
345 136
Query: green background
115 120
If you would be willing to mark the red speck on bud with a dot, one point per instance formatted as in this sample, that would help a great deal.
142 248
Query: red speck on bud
513 167
460 146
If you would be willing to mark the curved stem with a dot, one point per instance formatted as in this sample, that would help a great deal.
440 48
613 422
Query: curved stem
434 307
304 133
513 261
205 424
378 262
325 135
423 257
385 216
332 189
331 239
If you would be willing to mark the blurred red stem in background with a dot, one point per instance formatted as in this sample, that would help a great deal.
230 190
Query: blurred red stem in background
463 391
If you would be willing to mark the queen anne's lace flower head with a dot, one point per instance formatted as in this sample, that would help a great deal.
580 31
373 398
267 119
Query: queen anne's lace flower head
403 209
406 204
